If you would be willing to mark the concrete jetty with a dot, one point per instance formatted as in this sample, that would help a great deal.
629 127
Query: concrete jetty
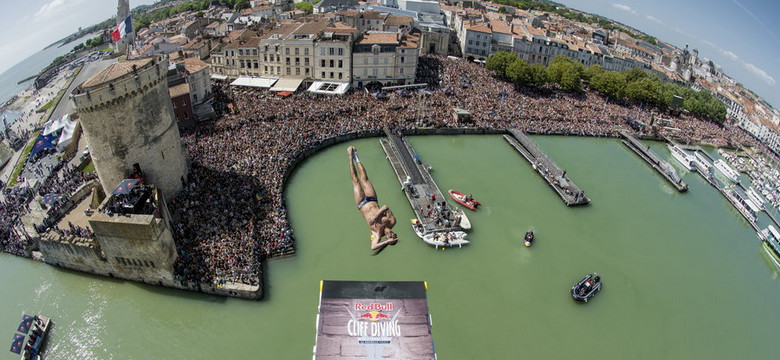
546 168
429 204
661 166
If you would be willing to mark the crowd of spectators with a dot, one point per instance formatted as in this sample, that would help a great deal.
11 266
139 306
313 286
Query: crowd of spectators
12 208
234 221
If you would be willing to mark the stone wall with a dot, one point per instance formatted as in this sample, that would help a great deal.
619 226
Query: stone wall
73 253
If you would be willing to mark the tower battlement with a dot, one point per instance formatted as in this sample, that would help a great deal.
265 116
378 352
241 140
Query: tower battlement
118 82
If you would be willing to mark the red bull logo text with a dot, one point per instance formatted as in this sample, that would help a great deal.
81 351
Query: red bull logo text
374 307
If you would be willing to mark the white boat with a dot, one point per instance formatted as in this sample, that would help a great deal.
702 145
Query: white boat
701 162
439 238
741 205
753 196
727 170
771 243
464 223
681 156
446 239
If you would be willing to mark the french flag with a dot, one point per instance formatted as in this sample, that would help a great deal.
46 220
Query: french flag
124 28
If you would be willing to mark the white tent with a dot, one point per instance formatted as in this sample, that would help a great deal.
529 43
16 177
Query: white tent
218 77
261 82
67 135
329 88
56 124
287 85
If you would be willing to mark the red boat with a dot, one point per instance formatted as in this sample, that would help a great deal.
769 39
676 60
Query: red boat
465 200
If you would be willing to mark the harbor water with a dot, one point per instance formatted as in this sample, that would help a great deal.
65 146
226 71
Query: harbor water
684 274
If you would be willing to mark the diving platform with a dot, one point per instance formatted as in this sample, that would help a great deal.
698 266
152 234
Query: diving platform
661 166
546 168
436 222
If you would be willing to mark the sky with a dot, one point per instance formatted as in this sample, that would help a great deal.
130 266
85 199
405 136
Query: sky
738 35
31 25
742 36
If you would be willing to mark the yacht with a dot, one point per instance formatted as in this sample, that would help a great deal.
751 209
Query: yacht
681 156
727 170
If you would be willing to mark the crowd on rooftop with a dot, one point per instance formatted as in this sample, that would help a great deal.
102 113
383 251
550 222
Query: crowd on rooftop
233 201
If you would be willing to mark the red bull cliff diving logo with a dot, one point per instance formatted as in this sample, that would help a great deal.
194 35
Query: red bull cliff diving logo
374 321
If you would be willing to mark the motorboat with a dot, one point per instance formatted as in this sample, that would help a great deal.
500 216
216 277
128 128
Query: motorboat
681 156
463 199
586 288
727 170
528 240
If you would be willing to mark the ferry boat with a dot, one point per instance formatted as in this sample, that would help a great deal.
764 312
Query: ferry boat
701 162
727 170
528 240
741 204
681 156
586 288
35 329
771 243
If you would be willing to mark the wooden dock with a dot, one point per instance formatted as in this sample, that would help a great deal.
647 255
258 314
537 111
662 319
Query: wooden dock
661 166
426 199
546 168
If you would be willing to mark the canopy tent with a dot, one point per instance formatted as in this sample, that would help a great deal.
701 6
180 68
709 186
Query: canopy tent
55 124
124 186
218 77
260 82
287 85
329 88
66 136
43 142
49 199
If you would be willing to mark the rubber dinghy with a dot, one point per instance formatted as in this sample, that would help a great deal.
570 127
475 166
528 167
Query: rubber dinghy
586 288
463 199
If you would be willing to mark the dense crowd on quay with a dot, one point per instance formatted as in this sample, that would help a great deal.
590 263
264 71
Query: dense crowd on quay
232 210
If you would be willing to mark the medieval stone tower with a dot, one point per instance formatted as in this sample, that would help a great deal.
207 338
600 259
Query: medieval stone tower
127 117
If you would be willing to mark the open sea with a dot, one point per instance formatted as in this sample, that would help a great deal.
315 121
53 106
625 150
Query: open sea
26 68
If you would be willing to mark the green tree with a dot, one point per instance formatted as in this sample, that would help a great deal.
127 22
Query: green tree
537 74
499 61
241 4
305 6
610 84
592 71
518 71
502 10
565 72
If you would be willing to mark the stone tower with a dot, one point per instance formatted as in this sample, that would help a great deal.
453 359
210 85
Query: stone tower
127 117
122 12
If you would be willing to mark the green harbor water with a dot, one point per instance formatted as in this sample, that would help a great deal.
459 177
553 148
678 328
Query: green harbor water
684 274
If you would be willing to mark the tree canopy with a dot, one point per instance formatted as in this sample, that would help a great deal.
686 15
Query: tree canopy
305 6
634 85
